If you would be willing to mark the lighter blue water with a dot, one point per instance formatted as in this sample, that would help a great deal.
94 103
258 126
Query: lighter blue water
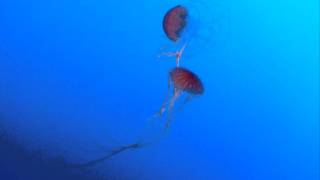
78 78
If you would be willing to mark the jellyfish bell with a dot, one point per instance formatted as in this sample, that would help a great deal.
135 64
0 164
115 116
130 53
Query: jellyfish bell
174 21
189 20
187 81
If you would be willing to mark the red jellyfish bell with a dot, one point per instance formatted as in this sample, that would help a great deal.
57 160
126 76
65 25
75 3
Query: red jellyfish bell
174 22
184 81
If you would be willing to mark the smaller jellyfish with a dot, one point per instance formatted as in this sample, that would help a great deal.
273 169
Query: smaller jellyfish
184 81
174 22
193 23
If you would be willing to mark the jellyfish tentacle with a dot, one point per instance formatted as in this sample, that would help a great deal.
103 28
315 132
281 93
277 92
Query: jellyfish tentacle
186 100
109 155
168 54
177 93
164 103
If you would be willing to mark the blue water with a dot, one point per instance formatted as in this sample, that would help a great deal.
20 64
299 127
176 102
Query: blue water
80 78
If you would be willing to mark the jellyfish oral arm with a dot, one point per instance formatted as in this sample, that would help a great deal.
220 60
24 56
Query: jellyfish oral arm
177 54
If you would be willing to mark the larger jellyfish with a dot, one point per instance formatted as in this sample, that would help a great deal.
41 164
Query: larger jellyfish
184 81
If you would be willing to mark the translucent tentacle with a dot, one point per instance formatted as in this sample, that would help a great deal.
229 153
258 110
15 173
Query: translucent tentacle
186 100
109 155
177 93
164 103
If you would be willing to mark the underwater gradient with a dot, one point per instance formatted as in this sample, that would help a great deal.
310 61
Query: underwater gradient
79 79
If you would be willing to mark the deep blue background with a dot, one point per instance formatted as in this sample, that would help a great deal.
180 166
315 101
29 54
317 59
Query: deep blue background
78 78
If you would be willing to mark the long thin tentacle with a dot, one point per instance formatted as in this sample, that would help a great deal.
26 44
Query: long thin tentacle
164 103
177 93
186 100
101 159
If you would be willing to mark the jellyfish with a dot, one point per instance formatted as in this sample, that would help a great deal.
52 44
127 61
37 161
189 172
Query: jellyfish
174 22
184 81
193 24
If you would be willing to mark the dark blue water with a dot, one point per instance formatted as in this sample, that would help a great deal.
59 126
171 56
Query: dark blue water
80 78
